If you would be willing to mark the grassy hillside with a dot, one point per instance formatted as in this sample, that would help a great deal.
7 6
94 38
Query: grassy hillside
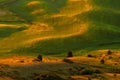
59 26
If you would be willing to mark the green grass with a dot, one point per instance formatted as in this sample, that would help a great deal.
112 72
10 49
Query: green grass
49 6
102 16
95 38
7 31
103 28
110 4
3 1
20 9
6 15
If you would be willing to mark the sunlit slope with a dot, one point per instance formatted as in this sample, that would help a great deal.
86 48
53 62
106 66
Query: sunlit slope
95 38
58 26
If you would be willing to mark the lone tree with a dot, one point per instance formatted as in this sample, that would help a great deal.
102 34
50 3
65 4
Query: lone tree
109 52
102 61
89 55
39 57
70 54
115 75
89 78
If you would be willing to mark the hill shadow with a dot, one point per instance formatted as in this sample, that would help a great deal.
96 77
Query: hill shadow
108 4
7 31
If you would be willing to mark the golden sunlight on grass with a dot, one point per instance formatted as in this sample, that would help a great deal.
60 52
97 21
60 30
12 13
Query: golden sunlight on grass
39 27
8 25
33 3
3 78
37 12
84 6
13 25
23 60
78 0
82 67
15 60
57 15
73 0
83 28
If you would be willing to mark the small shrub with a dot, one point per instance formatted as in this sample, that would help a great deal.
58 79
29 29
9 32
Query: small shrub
39 57
82 67
97 71
87 71
89 78
115 64
70 78
22 61
110 57
89 55
115 75
90 71
48 76
102 61
70 54
79 68
109 52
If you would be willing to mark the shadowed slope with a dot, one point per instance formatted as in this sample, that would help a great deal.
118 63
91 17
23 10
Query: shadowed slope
7 31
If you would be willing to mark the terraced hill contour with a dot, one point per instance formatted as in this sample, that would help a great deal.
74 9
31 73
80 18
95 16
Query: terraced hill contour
57 26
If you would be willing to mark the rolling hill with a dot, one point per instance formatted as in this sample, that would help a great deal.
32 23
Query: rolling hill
31 27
